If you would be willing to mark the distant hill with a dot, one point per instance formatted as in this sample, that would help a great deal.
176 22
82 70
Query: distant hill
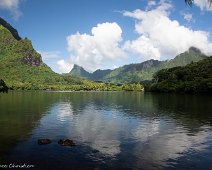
192 78
21 67
139 72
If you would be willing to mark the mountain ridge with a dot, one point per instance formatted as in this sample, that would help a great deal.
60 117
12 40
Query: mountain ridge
144 71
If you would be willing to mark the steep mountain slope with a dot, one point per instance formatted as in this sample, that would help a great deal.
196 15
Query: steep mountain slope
21 66
80 71
192 55
142 71
133 72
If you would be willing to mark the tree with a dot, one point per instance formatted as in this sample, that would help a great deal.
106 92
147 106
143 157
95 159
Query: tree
3 86
190 2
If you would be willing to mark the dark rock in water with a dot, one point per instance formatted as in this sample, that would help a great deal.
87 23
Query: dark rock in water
44 141
66 142
95 151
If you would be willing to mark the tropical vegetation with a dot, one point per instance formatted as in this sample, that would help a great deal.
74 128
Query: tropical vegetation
193 78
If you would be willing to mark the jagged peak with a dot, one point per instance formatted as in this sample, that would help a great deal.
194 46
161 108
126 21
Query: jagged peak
150 61
79 69
77 66
194 49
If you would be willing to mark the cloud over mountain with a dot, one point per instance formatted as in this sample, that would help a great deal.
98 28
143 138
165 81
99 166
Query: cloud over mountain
158 37
161 37
91 51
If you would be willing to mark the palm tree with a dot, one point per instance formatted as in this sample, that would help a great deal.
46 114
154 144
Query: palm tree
190 2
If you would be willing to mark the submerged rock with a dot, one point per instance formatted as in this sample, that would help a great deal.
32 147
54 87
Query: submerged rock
44 141
66 142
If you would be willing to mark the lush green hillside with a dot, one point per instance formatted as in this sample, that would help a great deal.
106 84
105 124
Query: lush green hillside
195 77
192 55
22 68
139 72
133 72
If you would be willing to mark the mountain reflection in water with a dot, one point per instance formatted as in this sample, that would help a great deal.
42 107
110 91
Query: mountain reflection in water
112 130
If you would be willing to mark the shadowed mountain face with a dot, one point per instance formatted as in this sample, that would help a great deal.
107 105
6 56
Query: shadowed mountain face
141 71
12 30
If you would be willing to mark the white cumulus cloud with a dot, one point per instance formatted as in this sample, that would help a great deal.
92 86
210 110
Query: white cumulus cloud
92 51
64 67
158 37
161 37
12 6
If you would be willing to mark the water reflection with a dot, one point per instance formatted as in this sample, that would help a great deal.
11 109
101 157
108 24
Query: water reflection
19 114
65 111
170 144
121 131
98 129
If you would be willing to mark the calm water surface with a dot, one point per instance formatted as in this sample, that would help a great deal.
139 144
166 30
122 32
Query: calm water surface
112 130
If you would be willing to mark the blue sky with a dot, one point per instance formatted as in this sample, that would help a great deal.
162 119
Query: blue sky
100 34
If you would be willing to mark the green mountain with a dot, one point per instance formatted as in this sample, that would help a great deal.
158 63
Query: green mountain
192 55
98 74
80 71
22 67
142 71
194 77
